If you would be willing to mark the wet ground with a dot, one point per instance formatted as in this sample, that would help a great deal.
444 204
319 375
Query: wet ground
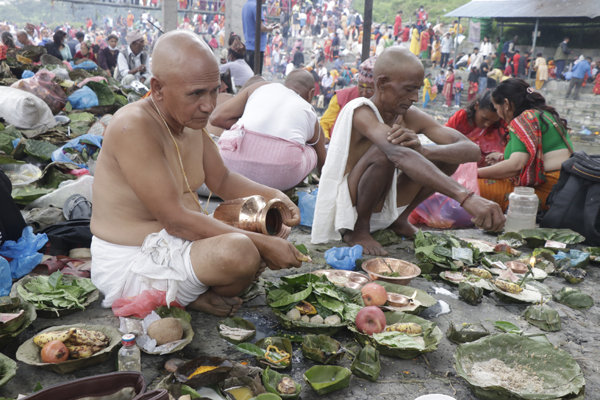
399 379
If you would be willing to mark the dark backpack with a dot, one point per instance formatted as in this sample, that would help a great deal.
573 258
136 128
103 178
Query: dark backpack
575 200
505 47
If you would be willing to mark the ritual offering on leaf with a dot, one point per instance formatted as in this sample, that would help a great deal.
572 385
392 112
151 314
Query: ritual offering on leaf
406 299
203 371
573 298
322 349
391 270
15 317
327 378
465 333
544 317
281 385
470 293
504 366
56 295
397 334
350 279
64 349
275 352
445 251
366 364
236 330
513 292
311 303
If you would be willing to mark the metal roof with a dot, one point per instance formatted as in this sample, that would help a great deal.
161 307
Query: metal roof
528 9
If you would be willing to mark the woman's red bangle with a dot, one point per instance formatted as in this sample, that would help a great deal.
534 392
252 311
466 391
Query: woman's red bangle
465 199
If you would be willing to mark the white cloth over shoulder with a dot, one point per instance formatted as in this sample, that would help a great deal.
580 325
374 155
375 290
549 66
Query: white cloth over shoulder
334 210
161 263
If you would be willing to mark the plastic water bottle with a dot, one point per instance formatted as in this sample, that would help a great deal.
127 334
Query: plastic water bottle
129 355
522 209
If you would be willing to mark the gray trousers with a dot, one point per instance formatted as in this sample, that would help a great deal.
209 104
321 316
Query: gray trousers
577 83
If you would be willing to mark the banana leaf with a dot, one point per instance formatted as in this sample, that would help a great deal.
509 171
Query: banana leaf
292 298
327 378
173 312
391 345
105 96
8 369
29 352
423 300
26 194
386 237
281 344
267 396
219 374
513 239
322 349
573 298
508 327
79 75
538 237
40 149
530 294
366 364
6 138
53 176
30 316
237 322
466 332
271 378
82 116
544 317
470 293
594 253
558 372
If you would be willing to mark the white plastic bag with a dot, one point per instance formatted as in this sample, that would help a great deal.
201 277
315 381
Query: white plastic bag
25 110
66 189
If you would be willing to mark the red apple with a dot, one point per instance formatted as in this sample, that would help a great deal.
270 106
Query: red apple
374 294
370 320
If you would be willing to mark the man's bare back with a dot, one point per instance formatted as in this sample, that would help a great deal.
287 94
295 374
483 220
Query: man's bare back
120 217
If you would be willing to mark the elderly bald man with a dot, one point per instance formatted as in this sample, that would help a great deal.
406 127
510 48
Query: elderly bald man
274 135
150 230
377 172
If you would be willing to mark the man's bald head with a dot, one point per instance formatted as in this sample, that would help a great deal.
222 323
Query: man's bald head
394 61
398 76
302 82
253 80
176 52
186 79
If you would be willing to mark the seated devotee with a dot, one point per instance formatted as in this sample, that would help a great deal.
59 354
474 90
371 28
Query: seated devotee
240 71
85 52
23 39
538 144
364 88
134 62
274 136
108 56
361 189
480 122
150 231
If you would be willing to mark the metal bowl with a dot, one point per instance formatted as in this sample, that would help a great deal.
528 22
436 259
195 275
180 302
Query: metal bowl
517 267
349 279
398 300
377 267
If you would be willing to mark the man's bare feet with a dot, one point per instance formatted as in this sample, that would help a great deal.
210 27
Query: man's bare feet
403 228
211 303
370 246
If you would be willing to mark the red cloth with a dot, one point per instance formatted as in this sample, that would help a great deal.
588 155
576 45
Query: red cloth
405 34
448 91
424 40
489 140
597 85
344 96
90 56
397 25
2 51
527 128
515 60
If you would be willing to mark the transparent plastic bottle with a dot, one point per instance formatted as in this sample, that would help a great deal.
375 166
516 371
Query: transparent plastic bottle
129 355
522 209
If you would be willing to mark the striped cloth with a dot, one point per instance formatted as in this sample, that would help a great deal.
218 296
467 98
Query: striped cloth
268 160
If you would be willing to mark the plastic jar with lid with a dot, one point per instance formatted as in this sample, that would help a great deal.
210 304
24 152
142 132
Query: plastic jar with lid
522 209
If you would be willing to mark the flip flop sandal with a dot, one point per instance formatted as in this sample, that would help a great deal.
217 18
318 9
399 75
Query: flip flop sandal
77 207
82 270
53 264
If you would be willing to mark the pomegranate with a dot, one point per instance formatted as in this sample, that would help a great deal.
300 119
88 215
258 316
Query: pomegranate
55 352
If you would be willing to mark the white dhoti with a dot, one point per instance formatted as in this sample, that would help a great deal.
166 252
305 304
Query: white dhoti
162 263
334 210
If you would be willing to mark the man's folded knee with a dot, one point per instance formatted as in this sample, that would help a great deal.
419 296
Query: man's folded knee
241 250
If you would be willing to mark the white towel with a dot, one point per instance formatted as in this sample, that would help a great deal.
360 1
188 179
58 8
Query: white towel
334 210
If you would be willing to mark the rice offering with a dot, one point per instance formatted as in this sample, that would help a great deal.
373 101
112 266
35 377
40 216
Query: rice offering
495 373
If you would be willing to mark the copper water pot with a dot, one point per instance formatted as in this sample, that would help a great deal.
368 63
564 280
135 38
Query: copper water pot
255 214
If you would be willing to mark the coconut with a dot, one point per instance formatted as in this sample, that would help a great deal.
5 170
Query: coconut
165 330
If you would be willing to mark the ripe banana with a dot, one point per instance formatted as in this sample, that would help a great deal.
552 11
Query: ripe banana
80 351
508 286
88 338
480 272
44 338
406 327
